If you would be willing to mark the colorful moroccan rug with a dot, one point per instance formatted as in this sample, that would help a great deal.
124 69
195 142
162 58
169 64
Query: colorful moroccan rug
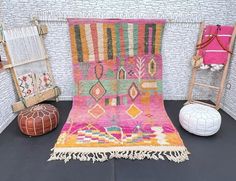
118 110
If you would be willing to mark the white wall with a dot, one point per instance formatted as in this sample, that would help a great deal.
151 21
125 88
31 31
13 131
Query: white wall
7 95
178 41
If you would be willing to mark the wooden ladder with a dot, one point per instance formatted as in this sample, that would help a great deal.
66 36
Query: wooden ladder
219 89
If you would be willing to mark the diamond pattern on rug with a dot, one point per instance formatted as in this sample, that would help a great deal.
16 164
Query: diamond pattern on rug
133 111
152 67
97 91
133 91
96 111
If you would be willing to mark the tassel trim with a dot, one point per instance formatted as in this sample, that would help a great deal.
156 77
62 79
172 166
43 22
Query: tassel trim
177 155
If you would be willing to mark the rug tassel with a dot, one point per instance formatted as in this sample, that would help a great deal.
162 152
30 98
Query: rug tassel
175 155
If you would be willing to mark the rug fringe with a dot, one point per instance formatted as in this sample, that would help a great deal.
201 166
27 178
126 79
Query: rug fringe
176 155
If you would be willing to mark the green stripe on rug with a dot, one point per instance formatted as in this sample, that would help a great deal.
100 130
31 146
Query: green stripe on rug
117 28
126 38
135 39
109 44
78 43
153 37
146 38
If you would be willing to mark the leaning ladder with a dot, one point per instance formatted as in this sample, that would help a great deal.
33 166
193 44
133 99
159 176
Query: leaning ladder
219 89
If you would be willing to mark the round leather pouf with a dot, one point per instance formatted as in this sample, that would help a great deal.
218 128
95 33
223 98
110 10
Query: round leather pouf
38 120
199 119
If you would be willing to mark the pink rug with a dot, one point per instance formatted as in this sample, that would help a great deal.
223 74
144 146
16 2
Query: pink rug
118 110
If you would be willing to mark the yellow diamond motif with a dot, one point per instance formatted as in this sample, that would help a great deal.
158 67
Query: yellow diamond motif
133 111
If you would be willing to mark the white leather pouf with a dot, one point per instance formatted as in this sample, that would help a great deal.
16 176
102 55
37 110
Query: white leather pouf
199 119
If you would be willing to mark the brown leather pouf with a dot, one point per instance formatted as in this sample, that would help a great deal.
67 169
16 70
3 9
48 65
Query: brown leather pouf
38 120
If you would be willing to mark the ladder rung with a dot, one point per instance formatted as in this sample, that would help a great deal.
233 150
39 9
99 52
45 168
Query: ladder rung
205 85
203 103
